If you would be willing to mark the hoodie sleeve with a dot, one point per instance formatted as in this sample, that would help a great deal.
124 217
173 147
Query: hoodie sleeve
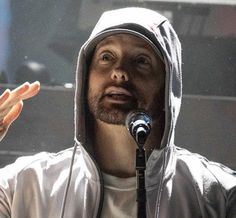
4 204
227 179
7 180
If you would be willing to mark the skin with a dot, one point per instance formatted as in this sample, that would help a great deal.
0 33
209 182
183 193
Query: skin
11 104
125 74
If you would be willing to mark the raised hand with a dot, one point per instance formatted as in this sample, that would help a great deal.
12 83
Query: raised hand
11 104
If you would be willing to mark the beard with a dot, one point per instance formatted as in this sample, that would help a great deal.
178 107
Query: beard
110 113
113 113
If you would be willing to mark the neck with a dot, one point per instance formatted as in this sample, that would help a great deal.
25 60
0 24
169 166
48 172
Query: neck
115 149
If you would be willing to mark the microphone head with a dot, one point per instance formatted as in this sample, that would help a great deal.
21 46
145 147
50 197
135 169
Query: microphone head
139 125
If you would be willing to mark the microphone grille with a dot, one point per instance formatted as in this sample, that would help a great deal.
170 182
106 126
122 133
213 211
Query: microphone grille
139 125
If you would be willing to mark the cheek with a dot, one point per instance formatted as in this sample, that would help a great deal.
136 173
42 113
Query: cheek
96 85
94 81
150 92
92 85
150 87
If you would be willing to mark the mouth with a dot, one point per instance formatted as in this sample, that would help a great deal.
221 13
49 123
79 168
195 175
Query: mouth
118 95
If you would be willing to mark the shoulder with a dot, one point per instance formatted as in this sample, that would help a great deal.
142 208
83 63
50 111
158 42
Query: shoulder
211 181
38 162
205 171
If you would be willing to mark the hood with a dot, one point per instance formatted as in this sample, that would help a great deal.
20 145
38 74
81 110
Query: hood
158 32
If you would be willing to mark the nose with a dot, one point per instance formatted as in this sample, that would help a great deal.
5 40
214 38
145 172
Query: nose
119 75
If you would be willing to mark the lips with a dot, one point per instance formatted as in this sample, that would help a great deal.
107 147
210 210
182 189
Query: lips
118 95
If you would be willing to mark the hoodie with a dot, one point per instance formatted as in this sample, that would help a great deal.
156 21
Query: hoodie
69 184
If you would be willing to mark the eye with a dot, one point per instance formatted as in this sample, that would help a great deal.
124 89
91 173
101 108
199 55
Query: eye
106 57
143 60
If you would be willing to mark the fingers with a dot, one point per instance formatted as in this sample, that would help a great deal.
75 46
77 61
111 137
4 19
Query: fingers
21 89
13 114
4 96
25 91
11 104
32 91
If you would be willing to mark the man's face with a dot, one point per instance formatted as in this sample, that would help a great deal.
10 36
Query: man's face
125 74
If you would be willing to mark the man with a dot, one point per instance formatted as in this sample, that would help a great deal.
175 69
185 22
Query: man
131 61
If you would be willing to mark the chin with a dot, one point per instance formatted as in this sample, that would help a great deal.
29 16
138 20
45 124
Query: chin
115 114
111 113
115 117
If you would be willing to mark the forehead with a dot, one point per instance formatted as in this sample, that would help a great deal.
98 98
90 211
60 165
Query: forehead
126 39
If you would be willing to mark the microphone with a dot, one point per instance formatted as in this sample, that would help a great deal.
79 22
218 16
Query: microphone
139 125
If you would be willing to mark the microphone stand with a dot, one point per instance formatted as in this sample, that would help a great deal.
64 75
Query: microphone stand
139 125
140 175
